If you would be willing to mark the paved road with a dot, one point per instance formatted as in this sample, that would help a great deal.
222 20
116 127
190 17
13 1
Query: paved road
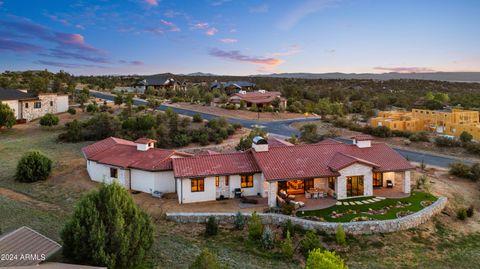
283 128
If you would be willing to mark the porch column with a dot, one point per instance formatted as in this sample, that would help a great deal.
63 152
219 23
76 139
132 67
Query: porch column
406 182
272 194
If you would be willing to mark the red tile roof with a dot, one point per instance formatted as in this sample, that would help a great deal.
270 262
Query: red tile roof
258 97
362 137
217 164
145 140
342 160
277 142
103 145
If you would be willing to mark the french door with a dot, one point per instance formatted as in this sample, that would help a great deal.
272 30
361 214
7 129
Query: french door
355 186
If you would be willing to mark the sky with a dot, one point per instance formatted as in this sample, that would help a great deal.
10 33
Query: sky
229 37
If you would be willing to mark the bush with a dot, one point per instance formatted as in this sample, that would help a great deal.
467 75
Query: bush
49 120
420 136
108 229
443 141
310 242
239 221
473 147
462 213
466 137
340 235
465 171
267 238
211 226
470 211
92 108
381 131
197 117
288 227
7 116
288 209
399 133
237 126
318 259
255 227
33 166
72 111
287 246
205 260
73 133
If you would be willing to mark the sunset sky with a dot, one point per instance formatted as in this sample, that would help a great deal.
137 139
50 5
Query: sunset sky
240 37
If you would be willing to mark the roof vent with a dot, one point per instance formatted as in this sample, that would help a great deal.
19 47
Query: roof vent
242 92
259 144
144 144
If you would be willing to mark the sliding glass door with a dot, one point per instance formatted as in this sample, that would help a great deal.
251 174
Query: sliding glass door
355 186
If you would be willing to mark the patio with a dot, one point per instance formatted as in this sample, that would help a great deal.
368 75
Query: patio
395 192
315 204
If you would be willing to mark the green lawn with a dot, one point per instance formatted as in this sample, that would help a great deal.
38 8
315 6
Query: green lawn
414 201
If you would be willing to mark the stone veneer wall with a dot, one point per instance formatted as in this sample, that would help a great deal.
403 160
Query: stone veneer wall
363 227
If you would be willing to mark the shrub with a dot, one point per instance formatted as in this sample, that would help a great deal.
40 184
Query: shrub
92 108
475 172
318 259
287 246
465 171
211 226
7 116
466 137
239 221
288 227
443 141
267 238
473 147
340 235
203 139
470 211
462 213
288 209
205 260
381 131
420 136
108 229
197 117
255 227
72 111
237 126
399 133
33 166
310 242
73 133
49 120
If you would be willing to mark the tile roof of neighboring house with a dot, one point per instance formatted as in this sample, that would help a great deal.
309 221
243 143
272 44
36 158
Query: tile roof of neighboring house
277 142
239 84
26 241
306 161
123 153
217 164
258 97
12 94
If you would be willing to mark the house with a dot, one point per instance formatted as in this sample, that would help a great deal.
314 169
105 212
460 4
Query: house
447 121
28 106
260 98
158 83
343 170
233 86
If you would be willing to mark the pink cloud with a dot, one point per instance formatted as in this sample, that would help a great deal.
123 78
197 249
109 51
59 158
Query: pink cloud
237 56
212 31
228 40
170 25
412 69
152 2
200 25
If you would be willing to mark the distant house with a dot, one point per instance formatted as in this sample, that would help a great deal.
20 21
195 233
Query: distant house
233 86
260 98
28 106
158 83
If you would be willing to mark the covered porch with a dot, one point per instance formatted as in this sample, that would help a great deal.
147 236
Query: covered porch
392 184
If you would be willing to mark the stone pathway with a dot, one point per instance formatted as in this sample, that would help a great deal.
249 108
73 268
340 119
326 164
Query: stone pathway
363 202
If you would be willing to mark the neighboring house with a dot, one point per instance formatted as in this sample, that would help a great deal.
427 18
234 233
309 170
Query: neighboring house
27 106
448 121
233 86
344 170
260 98
158 83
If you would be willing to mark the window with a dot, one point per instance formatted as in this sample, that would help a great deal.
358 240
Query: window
198 184
377 179
331 182
227 180
217 181
309 183
37 105
51 103
26 105
114 172
247 181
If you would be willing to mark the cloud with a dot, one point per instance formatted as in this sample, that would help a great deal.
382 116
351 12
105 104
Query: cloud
237 56
200 25
171 13
151 2
306 8
228 40
263 8
67 65
65 54
136 62
165 26
57 19
212 31
412 69
219 2
17 46
171 27
290 50
330 51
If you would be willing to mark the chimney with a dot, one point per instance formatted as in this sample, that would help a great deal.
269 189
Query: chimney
144 144
362 141
259 144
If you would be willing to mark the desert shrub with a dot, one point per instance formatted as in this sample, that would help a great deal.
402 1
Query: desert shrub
211 226
288 227
7 116
49 119
255 227
288 209
473 147
470 211
177 99
73 132
462 213
239 221
286 246
381 131
197 117
318 259
92 108
423 182
309 242
205 260
237 126
267 238
33 166
443 141
465 171
340 235
466 137
419 136
399 133
72 111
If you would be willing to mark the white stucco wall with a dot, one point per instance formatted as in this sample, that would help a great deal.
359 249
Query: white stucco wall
146 181
272 193
101 173
62 103
209 193
354 170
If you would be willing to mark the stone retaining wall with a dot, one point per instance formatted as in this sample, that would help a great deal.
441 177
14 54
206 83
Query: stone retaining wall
363 227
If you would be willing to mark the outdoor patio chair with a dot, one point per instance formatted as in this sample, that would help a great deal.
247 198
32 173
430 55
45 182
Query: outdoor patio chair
238 193
389 184
308 195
